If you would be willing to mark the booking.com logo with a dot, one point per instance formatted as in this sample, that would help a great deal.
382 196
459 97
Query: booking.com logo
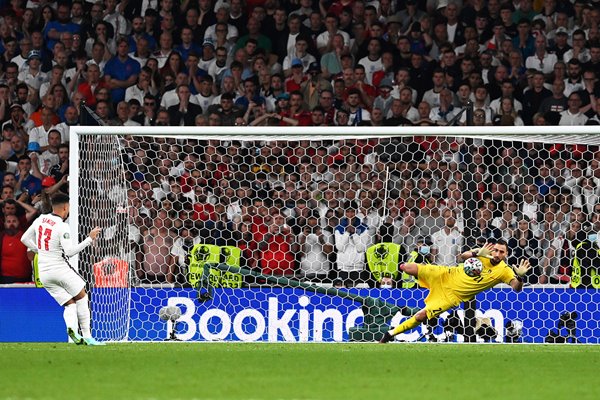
252 325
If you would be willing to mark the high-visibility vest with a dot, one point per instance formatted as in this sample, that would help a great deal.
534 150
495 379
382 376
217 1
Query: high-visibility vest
111 273
409 281
576 270
231 255
36 272
382 259
202 254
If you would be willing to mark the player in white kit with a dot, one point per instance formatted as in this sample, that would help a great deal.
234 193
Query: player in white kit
50 237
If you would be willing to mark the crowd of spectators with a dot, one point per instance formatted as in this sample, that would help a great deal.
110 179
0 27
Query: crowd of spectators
306 63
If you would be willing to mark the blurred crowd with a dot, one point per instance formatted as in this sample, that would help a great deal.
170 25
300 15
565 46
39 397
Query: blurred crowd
306 63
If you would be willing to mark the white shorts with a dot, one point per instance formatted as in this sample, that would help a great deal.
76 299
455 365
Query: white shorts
63 284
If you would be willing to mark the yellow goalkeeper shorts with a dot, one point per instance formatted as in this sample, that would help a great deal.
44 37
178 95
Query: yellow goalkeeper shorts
434 278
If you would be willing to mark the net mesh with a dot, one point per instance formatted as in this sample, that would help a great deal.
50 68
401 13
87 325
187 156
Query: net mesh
299 238
103 202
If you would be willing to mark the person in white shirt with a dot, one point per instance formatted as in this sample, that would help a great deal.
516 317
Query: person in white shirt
316 245
32 74
324 40
579 51
50 237
222 16
448 241
300 54
351 241
573 114
372 61
541 60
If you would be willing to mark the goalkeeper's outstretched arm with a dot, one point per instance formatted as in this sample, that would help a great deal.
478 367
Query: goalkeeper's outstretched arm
520 271
485 251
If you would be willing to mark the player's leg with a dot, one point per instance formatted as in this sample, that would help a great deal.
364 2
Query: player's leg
407 325
53 283
429 276
84 317
70 317
74 284
83 313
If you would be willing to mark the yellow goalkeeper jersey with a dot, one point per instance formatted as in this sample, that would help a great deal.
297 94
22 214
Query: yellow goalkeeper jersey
466 287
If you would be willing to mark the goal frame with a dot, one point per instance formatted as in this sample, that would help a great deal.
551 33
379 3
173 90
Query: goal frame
584 135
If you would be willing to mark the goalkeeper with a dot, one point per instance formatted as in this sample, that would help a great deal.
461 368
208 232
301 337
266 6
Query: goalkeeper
450 286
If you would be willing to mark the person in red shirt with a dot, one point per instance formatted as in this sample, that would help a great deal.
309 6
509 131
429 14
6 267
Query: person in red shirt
15 266
296 78
296 111
203 209
92 83
276 255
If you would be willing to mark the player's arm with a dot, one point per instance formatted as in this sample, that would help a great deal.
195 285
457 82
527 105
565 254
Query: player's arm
485 251
520 271
67 244
28 238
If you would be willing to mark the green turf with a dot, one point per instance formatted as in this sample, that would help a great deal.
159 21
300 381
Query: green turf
298 371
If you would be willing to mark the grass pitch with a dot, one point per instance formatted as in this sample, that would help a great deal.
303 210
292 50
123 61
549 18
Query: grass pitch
298 371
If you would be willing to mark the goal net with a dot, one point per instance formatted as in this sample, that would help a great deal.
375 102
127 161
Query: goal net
260 234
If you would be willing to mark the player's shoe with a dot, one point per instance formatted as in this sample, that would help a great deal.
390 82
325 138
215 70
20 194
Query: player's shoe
75 337
93 342
386 338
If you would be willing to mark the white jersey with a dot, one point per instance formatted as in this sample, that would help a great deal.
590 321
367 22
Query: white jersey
50 237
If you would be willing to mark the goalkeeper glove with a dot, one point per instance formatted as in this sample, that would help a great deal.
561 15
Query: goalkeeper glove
482 252
522 268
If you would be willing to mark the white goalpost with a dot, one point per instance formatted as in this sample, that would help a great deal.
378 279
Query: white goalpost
240 229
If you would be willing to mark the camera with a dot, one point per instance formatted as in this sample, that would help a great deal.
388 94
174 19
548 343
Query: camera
188 243
567 320
513 330
485 330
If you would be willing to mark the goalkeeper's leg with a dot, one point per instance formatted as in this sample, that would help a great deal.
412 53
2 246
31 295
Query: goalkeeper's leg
409 324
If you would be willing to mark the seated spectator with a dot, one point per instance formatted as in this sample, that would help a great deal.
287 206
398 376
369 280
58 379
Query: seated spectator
121 71
314 86
226 110
32 73
315 246
183 113
507 115
26 182
300 55
524 244
573 115
444 113
276 255
351 241
156 248
15 266
250 95
19 208
447 242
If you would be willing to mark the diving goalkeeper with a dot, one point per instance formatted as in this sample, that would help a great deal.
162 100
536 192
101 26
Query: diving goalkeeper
450 286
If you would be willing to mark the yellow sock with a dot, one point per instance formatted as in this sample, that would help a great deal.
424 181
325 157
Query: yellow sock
405 326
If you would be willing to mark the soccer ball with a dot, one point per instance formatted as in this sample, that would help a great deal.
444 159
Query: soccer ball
169 313
473 267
